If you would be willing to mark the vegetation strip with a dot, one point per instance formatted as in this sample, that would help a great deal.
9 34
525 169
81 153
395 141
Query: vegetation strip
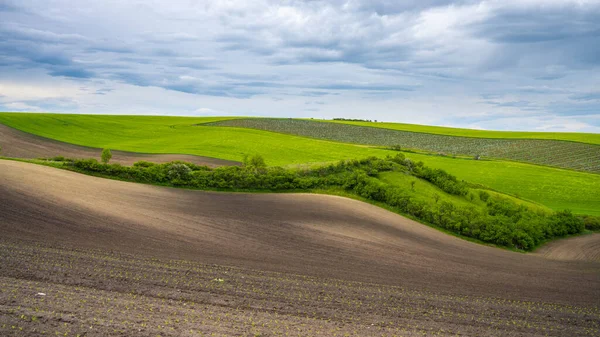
563 154
480 215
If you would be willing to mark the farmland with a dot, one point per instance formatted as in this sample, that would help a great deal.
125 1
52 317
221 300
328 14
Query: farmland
555 188
563 154
175 262
221 169
590 138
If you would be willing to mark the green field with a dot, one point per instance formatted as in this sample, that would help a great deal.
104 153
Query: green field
425 192
157 134
563 154
591 138
555 188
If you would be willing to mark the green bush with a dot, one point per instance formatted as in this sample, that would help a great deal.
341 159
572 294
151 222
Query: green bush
592 223
106 156
179 173
484 196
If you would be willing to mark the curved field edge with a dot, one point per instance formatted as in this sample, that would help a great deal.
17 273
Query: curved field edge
583 247
556 188
317 191
554 153
531 211
580 137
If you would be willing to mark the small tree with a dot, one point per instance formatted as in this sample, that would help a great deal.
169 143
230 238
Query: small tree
412 185
255 162
436 197
106 156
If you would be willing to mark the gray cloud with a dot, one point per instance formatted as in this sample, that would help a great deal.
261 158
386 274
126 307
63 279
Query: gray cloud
514 54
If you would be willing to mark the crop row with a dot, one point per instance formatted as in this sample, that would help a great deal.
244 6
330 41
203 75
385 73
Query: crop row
563 154
96 293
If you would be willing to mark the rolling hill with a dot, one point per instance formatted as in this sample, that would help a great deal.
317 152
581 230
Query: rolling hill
553 187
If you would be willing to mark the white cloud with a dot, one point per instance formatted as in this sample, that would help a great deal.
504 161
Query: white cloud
20 106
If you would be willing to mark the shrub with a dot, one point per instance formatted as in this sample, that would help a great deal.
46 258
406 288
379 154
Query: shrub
399 158
179 173
255 162
442 179
106 156
592 223
143 163
484 196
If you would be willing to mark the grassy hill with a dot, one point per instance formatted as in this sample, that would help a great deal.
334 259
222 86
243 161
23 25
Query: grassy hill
555 188
563 154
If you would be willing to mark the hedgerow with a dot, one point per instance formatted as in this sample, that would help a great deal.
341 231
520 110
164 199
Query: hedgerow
500 220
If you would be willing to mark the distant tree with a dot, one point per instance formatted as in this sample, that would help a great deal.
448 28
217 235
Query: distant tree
412 185
258 161
106 156
255 162
436 197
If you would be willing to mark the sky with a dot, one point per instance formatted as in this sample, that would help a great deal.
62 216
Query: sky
503 65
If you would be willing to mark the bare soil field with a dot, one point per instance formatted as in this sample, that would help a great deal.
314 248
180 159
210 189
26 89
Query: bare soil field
118 259
19 144
585 247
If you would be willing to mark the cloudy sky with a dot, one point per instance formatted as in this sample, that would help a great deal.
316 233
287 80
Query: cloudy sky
505 64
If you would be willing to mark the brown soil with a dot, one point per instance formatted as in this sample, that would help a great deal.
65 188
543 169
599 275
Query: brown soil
19 144
117 258
584 248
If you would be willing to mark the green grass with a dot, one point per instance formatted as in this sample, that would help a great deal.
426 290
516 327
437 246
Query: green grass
159 134
563 154
552 187
591 138
555 188
426 192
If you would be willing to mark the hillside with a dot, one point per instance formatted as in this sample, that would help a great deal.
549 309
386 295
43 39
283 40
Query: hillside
175 262
555 188
590 138
563 154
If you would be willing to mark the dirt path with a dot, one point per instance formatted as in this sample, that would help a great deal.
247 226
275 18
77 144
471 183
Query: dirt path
19 144
583 248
